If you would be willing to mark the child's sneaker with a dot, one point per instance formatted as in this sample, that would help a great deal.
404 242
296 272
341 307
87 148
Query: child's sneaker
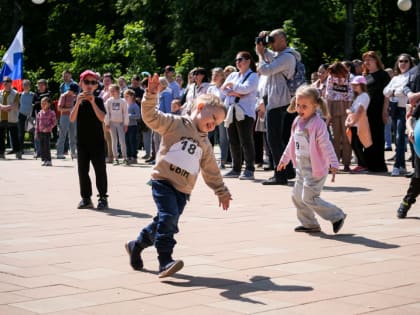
338 224
85 203
134 252
304 229
116 162
125 162
170 268
403 209
102 203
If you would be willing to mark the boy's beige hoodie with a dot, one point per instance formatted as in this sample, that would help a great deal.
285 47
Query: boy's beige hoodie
183 151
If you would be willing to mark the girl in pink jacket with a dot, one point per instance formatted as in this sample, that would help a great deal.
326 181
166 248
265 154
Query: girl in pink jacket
312 154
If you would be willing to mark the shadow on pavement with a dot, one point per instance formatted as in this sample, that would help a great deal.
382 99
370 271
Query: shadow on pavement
234 289
356 239
123 213
345 188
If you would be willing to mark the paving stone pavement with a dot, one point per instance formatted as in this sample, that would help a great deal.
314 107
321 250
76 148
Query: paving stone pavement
55 259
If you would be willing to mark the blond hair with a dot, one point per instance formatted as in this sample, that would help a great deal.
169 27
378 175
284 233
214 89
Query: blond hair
314 95
209 100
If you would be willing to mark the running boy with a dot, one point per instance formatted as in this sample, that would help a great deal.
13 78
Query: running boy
184 150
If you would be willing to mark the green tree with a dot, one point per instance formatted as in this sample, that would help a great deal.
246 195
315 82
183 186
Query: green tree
138 51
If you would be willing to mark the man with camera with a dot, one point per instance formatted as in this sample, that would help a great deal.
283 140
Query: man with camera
278 64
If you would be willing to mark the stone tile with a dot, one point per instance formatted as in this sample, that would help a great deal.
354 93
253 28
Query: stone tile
10 310
91 274
249 305
48 291
377 301
55 304
124 308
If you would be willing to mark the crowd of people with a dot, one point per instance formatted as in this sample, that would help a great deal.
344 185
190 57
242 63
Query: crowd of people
348 113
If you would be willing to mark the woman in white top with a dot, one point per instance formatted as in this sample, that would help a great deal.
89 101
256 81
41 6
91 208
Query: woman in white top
397 106
199 87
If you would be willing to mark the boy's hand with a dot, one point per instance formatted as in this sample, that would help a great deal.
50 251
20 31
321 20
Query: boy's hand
225 202
333 172
153 84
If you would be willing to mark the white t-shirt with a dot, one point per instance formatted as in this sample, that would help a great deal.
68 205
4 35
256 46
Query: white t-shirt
361 100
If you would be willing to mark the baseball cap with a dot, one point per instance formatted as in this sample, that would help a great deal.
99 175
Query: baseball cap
359 79
85 73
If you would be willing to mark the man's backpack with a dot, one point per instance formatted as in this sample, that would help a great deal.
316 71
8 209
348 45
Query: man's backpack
298 77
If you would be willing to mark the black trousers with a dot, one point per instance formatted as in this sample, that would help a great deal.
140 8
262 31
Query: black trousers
12 128
44 145
279 124
241 140
96 156
357 147
414 188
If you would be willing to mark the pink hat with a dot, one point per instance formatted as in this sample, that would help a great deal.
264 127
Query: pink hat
359 79
85 73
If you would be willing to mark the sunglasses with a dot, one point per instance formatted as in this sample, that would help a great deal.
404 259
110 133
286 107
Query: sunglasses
403 61
90 82
7 81
240 59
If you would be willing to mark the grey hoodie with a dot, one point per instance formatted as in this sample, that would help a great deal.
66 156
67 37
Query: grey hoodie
277 67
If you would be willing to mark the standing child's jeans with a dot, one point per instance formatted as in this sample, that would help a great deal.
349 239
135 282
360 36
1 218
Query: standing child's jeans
44 144
131 142
170 205
306 197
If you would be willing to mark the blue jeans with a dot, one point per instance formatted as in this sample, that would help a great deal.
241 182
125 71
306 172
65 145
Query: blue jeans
147 141
131 141
66 128
388 134
170 205
223 142
399 123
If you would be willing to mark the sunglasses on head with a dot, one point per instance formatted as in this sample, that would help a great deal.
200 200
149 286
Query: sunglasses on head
90 82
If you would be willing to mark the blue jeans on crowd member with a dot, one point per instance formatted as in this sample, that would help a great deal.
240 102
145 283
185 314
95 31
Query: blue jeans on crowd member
147 141
66 128
21 130
170 204
388 134
279 123
223 142
399 122
131 141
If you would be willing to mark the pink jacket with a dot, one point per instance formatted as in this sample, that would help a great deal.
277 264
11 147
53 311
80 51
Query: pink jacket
320 147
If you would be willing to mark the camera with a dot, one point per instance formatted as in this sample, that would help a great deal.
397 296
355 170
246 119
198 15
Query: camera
265 40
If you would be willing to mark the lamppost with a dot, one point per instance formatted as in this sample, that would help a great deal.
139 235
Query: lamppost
405 5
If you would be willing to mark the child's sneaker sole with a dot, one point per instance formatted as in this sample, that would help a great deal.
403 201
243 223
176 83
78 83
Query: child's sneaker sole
176 266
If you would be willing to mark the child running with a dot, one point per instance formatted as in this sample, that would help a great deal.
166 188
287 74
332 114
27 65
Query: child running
312 154
184 151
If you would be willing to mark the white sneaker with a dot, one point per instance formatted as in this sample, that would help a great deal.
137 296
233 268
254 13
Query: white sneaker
395 171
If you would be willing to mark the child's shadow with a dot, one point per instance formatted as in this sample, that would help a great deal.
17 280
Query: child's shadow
123 213
356 239
234 289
